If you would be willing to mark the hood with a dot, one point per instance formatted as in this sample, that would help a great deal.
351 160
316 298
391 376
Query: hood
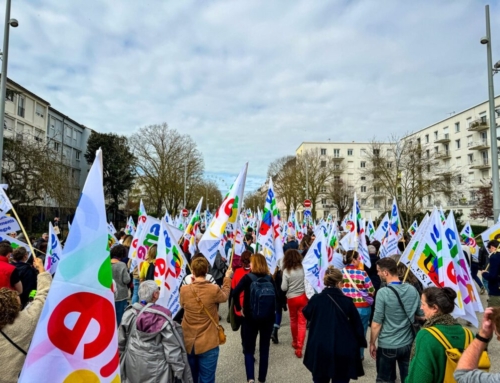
151 322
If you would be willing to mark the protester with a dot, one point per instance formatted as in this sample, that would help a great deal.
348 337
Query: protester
291 243
281 301
9 275
121 277
150 261
492 275
475 266
372 270
467 367
305 244
150 344
248 240
17 327
199 301
27 273
258 314
293 284
238 275
135 281
392 323
428 356
357 285
127 241
335 333
219 269
484 255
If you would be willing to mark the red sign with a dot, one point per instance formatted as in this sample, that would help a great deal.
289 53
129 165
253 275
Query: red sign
307 203
185 212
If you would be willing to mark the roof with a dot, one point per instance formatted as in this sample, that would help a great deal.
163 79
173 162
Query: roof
25 90
51 109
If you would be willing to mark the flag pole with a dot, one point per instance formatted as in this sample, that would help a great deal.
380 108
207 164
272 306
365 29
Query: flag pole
24 232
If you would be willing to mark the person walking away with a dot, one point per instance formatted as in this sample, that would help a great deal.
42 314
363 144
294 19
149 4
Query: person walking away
357 285
219 269
492 275
18 327
335 333
428 355
121 277
395 310
475 266
148 266
281 301
258 311
467 368
150 343
9 275
293 284
238 275
200 323
27 274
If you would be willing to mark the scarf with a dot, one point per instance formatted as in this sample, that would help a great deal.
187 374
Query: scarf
444 319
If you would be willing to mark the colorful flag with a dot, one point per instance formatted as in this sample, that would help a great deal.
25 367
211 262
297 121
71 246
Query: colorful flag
111 228
395 220
227 212
333 242
469 240
407 256
370 229
192 228
167 218
350 240
130 228
382 229
54 251
5 204
491 233
76 334
315 262
363 245
413 228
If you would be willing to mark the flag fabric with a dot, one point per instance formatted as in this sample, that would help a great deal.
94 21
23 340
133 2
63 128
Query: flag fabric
491 233
148 237
130 228
315 262
413 228
381 231
54 251
15 243
227 212
8 224
395 220
407 256
5 204
141 221
370 229
76 334
111 228
167 218
192 228
468 237
389 244
269 238
239 243
333 242
350 240
363 245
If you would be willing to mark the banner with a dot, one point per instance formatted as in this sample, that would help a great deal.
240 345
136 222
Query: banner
8 224
54 251
381 231
315 262
5 204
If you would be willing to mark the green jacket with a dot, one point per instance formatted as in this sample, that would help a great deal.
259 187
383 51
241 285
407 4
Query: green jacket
429 363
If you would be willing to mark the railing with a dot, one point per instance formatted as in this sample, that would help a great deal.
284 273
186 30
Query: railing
480 122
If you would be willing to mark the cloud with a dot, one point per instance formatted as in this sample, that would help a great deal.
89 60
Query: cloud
250 81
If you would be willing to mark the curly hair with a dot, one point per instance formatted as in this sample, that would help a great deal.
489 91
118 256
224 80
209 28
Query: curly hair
292 260
9 307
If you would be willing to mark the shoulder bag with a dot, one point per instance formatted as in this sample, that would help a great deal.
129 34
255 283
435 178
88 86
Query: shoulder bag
220 329
415 326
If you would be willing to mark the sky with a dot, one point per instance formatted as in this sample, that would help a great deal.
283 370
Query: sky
251 80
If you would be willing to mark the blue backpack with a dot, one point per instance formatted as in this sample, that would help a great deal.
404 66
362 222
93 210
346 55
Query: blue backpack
262 297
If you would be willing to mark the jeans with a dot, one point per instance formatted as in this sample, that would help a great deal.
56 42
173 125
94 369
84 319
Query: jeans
278 317
297 320
249 330
474 268
135 295
386 363
328 380
203 366
120 307
364 313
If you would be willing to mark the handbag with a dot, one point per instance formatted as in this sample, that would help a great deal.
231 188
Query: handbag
364 294
220 329
415 326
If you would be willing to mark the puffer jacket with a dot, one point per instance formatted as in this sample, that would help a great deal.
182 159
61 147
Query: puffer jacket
151 346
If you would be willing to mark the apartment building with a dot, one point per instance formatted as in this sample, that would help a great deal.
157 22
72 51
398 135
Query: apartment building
25 114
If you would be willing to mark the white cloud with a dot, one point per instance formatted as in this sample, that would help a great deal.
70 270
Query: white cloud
252 80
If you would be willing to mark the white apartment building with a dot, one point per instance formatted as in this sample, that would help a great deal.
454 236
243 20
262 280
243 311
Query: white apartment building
460 142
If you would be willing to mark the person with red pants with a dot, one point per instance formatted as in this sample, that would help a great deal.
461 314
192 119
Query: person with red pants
293 284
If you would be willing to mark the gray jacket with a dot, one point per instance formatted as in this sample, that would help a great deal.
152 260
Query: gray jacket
122 279
476 376
151 346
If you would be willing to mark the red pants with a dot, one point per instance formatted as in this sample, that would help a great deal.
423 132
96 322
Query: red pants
297 320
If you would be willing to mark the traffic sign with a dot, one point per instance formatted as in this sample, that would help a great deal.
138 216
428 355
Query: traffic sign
307 203
185 212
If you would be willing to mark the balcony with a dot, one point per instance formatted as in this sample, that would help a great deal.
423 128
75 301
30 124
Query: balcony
442 138
337 169
337 157
445 154
480 164
478 145
478 125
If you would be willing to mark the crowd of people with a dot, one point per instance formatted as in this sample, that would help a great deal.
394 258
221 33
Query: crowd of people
411 328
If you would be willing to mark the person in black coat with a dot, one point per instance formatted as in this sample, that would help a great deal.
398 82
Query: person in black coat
27 273
335 334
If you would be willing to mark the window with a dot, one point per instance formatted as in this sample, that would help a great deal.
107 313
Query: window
56 146
323 152
9 93
52 127
323 164
363 201
428 153
376 152
363 178
67 129
389 165
470 159
418 141
8 124
457 127
323 201
436 149
349 152
77 157
459 180
20 106
436 135
426 138
336 153
363 164
457 144
38 135
363 189
40 110
376 189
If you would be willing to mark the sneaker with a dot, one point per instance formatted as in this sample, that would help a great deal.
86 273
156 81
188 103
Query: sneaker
298 353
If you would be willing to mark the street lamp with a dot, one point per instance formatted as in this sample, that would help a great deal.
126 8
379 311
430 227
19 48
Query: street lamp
3 82
493 126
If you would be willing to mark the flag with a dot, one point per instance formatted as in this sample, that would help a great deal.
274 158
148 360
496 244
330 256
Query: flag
130 228
167 218
8 224
54 251
363 245
192 228
111 228
381 231
227 212
170 269
370 229
407 256
389 245
269 239
333 242
315 262
15 243
5 204
141 221
395 220
468 237
413 228
150 231
491 233
76 334
350 240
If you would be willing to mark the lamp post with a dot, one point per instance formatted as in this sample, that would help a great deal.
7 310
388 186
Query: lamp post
3 82
493 126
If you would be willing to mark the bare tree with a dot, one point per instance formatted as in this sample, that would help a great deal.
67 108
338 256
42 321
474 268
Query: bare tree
341 195
483 209
208 189
164 156
255 199
283 171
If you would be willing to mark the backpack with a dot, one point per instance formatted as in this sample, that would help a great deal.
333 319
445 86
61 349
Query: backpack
150 274
453 354
262 297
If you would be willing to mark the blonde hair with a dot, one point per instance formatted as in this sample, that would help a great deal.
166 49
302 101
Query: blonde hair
259 264
332 277
151 255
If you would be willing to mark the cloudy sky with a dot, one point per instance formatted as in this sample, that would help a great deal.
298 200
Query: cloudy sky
251 80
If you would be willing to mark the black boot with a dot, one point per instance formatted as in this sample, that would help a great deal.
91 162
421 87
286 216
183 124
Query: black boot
274 335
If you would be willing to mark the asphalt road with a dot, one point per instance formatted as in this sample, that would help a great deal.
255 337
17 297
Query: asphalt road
284 366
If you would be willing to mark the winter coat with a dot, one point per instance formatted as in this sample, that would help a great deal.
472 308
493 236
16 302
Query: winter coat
219 268
21 332
121 278
28 275
151 346
332 349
